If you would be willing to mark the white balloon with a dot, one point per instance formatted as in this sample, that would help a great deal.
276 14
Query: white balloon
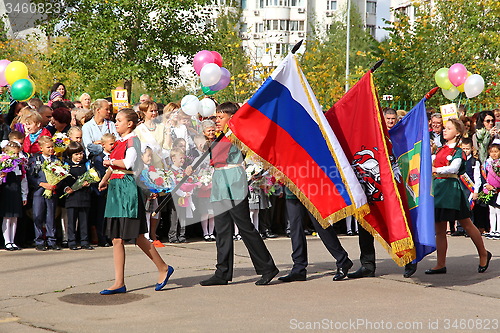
207 107
190 105
451 93
474 85
210 74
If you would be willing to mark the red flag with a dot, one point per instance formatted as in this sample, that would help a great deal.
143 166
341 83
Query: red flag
357 121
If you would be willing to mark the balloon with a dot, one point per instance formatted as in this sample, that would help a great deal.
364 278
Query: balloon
474 85
210 74
190 104
225 78
207 107
22 89
451 93
3 64
442 80
457 74
207 90
461 87
201 59
217 58
14 71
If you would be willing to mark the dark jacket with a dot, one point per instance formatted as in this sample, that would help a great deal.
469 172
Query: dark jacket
36 174
81 197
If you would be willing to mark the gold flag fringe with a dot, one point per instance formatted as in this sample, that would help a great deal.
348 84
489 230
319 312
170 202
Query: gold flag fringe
358 213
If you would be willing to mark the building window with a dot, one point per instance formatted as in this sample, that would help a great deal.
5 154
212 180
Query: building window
301 25
331 5
281 48
371 29
243 27
260 3
268 48
275 24
283 25
371 7
259 27
295 3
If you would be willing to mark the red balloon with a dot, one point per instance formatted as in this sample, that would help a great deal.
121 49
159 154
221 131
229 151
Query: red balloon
217 58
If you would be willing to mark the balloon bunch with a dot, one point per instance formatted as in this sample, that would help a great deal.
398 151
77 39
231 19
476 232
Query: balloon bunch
15 74
457 79
213 77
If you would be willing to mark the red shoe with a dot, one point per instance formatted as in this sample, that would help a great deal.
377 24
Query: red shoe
157 243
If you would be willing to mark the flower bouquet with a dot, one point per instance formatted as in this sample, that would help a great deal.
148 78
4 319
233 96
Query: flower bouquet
54 172
190 184
493 179
8 163
157 180
205 176
253 170
61 142
91 177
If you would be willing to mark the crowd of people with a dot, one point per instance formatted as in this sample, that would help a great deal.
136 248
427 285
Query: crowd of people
141 153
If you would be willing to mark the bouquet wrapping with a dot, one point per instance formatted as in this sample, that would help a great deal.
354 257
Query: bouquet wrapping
493 179
157 180
91 177
61 142
54 172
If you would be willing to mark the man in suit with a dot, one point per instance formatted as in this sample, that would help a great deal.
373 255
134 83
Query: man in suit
328 236
230 204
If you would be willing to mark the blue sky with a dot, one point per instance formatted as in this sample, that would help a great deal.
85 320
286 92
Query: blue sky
383 12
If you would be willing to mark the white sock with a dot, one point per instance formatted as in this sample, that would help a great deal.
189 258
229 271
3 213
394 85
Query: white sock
6 230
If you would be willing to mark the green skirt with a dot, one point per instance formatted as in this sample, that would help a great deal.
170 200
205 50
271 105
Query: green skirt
123 198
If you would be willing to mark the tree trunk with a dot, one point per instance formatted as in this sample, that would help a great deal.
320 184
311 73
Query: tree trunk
127 84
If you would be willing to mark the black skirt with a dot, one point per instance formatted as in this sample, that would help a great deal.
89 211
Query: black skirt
446 214
128 228
11 200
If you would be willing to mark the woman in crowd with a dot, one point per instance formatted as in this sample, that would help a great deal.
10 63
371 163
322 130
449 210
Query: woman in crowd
86 101
151 134
124 207
485 133
95 128
61 89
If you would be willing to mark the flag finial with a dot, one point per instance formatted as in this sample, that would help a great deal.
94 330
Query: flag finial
297 46
377 65
431 92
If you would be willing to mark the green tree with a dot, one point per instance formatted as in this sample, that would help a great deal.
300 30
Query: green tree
324 60
119 42
452 31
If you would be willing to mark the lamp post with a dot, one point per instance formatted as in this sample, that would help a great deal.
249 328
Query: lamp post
347 45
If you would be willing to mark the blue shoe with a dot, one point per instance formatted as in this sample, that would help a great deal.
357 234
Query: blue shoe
121 290
159 286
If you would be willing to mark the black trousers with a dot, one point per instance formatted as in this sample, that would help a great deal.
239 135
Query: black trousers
81 214
367 249
328 236
227 212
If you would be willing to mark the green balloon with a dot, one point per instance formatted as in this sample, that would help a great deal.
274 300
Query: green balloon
207 91
21 90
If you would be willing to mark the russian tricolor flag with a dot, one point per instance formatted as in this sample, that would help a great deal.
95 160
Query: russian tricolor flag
284 125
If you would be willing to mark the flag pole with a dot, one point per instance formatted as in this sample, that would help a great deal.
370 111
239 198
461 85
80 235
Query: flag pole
348 45
183 180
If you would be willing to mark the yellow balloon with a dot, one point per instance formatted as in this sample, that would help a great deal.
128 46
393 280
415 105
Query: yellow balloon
14 71
461 87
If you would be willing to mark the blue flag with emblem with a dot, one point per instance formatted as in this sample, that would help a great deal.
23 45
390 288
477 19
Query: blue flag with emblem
411 146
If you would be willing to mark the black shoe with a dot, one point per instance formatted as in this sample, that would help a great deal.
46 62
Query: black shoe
410 269
458 233
288 234
269 234
350 233
263 236
266 278
74 247
214 281
342 271
87 247
482 269
293 277
182 240
308 232
436 271
65 244
41 247
361 273
54 247
103 244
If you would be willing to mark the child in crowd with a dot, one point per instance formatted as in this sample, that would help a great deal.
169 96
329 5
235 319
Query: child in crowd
34 131
184 206
75 134
13 196
492 167
257 198
77 202
473 175
98 198
43 208
151 200
19 138
449 200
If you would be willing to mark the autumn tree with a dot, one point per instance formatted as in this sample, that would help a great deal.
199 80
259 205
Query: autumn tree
443 33
126 41
324 60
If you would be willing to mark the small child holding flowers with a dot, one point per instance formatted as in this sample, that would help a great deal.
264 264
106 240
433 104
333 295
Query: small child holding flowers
491 189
